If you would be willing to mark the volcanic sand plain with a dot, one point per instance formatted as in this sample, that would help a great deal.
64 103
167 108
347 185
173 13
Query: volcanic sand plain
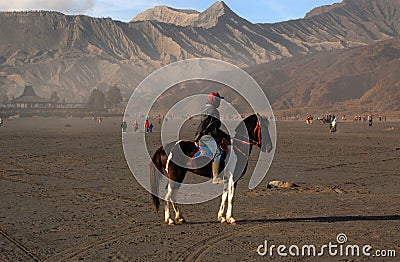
67 194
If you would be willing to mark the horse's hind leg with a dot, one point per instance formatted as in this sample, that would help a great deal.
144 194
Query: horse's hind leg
167 217
231 194
221 217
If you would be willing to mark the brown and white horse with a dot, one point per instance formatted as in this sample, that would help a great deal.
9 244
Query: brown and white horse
253 131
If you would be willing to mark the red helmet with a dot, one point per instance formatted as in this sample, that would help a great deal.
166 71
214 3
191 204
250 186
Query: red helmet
211 98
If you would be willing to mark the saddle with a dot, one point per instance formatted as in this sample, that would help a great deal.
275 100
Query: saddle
204 151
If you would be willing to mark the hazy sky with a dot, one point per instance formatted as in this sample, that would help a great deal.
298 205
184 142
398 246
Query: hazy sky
267 11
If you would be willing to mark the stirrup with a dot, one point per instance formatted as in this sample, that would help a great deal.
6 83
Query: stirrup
218 180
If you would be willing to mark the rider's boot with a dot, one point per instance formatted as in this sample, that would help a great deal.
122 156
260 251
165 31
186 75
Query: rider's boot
215 170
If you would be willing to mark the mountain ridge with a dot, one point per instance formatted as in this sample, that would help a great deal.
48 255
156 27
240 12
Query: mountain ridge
182 17
360 78
74 54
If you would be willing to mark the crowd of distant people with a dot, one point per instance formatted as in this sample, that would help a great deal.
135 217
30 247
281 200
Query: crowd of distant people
332 121
147 127
309 119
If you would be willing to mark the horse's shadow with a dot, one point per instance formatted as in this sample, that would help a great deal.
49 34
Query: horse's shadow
328 219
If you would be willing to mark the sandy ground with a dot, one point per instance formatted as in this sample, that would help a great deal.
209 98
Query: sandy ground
67 194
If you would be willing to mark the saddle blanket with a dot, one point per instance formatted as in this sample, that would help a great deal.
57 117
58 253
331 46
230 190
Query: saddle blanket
203 151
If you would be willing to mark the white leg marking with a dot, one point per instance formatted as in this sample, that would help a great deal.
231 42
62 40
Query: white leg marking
224 198
170 192
169 159
170 156
176 209
178 217
166 213
167 217
222 207
231 194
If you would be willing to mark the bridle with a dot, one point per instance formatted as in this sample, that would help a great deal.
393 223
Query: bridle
252 142
257 132
248 141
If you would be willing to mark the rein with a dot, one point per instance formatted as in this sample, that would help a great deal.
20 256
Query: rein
252 142
257 133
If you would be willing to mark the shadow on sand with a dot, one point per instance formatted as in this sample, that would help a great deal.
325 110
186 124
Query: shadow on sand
329 219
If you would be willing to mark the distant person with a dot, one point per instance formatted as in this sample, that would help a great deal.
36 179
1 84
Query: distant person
135 125
327 118
1 122
307 119
146 126
159 119
370 120
124 126
151 128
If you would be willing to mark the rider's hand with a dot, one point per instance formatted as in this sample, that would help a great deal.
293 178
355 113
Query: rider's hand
226 140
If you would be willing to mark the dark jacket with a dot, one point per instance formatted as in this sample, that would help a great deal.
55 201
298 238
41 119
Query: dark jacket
210 124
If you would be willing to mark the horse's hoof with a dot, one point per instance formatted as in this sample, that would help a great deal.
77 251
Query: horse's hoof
170 222
180 221
222 220
231 221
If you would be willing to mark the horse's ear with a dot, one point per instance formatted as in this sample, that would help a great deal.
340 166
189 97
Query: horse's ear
260 117
263 119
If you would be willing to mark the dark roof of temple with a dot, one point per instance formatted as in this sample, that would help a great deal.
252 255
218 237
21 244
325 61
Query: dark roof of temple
29 96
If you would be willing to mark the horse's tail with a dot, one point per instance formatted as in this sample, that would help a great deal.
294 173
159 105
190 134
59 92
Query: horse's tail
154 185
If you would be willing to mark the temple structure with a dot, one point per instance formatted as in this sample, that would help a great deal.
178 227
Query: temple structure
29 99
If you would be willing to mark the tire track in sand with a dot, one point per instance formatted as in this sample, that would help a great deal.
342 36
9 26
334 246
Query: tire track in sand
20 246
72 253
198 250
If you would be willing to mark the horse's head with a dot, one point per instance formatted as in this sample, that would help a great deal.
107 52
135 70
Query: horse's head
254 131
258 132
263 136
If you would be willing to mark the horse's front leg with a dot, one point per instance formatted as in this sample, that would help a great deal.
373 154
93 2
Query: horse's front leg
231 194
167 216
221 217
178 216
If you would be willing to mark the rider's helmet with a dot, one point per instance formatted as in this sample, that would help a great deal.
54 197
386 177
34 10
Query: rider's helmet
214 99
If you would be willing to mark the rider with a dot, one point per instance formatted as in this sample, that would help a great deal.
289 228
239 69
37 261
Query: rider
209 134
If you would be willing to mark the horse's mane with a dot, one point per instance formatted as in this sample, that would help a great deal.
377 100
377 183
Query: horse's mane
250 118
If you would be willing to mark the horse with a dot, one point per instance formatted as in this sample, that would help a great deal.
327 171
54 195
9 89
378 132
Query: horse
252 131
